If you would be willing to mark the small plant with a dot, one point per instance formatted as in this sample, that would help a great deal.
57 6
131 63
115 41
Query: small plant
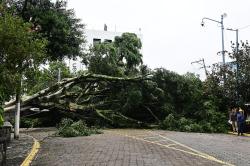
69 128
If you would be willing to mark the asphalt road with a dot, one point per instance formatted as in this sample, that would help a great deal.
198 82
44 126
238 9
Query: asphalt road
130 147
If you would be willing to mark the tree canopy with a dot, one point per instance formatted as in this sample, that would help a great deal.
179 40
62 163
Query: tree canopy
20 50
53 21
121 57
236 87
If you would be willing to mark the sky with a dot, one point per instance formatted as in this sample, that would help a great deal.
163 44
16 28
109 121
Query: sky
172 33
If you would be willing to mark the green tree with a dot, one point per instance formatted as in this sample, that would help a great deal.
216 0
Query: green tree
128 48
102 59
235 89
20 50
121 57
54 22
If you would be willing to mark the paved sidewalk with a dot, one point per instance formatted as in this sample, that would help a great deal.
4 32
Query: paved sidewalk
18 150
40 133
113 148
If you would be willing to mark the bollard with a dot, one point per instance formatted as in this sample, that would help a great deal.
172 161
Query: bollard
8 128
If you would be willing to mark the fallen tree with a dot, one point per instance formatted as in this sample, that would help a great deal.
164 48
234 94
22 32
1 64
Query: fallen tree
88 95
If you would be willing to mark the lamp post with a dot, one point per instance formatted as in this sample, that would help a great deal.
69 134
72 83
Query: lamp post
222 36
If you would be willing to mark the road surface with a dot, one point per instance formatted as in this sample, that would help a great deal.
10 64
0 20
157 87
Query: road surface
132 147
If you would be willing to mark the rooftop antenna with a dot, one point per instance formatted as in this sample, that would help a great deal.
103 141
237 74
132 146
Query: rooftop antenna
105 27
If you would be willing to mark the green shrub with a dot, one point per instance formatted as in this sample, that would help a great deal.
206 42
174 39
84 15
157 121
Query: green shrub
69 132
170 123
207 127
184 124
196 127
186 128
216 124
69 128
65 122
29 122
94 130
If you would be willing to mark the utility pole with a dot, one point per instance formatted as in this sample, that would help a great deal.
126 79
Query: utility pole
237 66
222 35
222 39
202 62
237 62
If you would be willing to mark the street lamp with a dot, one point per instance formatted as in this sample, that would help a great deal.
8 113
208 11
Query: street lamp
222 32
222 36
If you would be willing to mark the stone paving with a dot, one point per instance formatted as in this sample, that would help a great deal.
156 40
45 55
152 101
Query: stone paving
40 133
120 148
17 150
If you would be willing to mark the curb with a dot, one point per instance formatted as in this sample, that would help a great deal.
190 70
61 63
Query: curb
32 154
244 134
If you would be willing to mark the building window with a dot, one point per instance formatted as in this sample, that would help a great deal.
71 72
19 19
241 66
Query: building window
108 41
96 41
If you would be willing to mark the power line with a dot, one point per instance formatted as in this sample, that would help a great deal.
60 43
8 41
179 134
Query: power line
244 27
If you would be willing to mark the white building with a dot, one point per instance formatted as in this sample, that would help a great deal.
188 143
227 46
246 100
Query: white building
93 36
96 36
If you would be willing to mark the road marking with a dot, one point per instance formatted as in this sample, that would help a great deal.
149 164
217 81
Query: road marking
160 141
185 146
197 153
152 137
140 135
32 154
170 145
194 150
